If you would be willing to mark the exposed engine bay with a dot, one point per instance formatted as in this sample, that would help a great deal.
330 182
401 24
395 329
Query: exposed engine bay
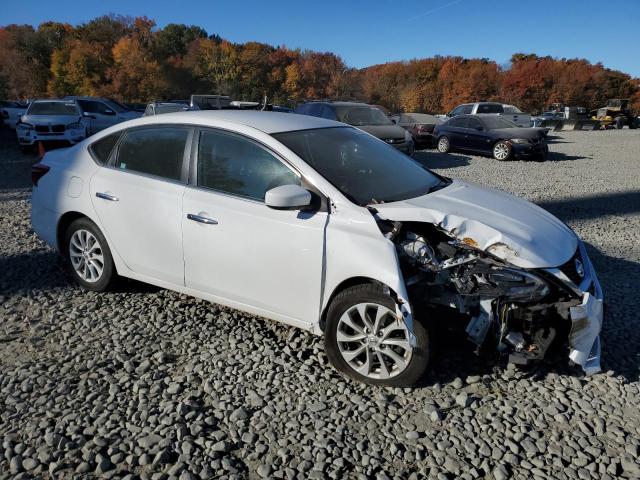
517 311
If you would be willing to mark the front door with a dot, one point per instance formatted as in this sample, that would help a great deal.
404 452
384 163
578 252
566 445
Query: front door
100 115
138 200
238 249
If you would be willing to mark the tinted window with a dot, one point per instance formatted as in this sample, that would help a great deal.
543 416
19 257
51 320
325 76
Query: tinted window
490 108
455 122
362 115
314 109
363 168
327 112
238 166
154 151
467 109
457 111
496 123
94 107
473 123
101 149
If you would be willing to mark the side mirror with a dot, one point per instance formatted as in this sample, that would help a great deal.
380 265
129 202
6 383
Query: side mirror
288 197
88 115
394 121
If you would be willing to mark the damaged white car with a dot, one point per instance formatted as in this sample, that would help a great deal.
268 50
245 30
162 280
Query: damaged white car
324 227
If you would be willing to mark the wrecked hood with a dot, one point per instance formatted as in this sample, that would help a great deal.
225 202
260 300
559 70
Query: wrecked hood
506 226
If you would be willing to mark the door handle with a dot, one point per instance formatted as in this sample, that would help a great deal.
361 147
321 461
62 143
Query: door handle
201 219
106 196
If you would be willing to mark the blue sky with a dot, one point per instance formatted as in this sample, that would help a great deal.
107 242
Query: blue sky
375 31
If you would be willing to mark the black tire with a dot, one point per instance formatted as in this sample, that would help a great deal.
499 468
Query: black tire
498 151
109 274
633 124
619 122
444 144
373 293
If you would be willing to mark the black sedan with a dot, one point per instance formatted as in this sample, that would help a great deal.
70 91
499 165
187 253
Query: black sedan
491 134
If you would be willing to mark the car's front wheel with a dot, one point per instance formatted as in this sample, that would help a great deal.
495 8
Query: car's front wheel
89 255
501 151
365 340
444 145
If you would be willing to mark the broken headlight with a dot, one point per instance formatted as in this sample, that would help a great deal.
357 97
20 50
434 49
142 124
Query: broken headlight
515 285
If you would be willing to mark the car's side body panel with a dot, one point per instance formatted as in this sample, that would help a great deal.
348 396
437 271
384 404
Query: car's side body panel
254 255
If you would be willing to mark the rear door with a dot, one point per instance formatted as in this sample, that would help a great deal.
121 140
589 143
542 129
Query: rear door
237 249
138 199
457 132
476 137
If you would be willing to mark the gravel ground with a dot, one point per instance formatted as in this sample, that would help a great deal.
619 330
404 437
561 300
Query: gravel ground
144 382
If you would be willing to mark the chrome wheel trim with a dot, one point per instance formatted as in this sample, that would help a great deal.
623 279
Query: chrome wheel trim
373 341
443 145
501 151
85 253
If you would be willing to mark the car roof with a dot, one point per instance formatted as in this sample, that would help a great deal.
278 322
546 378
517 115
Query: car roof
80 97
58 100
267 122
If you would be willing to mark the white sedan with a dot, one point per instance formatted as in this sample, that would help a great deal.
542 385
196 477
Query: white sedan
321 226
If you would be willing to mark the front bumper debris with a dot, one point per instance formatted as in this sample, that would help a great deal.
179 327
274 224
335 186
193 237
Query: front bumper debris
586 318
584 338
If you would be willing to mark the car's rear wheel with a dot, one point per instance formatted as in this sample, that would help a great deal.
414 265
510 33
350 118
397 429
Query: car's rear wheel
502 151
89 255
366 341
619 122
444 145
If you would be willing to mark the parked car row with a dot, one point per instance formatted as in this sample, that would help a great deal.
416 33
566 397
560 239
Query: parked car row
68 120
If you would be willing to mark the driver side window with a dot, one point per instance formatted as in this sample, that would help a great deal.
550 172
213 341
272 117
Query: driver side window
237 166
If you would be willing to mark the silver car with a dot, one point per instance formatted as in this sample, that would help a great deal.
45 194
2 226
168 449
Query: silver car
101 113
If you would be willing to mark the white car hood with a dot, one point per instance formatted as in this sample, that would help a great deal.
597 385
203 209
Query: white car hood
506 226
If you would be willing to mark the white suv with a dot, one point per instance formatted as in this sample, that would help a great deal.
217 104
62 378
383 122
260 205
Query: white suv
51 121
321 226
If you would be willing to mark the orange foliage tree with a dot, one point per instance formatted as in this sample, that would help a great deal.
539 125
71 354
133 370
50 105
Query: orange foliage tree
130 59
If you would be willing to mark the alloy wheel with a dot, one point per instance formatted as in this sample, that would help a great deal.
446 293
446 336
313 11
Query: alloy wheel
501 151
86 256
373 341
443 144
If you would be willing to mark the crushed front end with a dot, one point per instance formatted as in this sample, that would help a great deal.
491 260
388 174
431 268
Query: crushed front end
518 311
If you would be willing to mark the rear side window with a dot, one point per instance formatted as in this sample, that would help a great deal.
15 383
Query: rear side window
456 122
94 107
473 123
490 108
238 166
101 150
153 151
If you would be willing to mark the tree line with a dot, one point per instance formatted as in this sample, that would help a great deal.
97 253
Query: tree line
132 60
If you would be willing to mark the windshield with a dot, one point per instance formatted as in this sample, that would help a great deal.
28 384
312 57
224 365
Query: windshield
364 115
496 123
365 169
53 108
